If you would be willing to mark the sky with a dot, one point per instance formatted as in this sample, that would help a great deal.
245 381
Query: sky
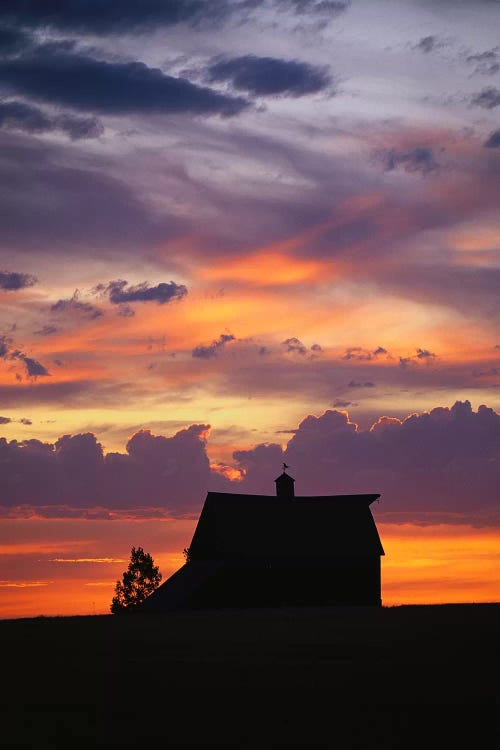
235 234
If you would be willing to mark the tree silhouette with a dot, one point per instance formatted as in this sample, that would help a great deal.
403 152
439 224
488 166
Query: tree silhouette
139 581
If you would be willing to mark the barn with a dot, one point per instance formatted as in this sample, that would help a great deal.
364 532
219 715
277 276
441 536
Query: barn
273 550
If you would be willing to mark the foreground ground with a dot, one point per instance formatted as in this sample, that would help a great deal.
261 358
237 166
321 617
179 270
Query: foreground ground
405 677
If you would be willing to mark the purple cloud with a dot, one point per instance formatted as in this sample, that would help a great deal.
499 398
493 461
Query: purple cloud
212 350
13 281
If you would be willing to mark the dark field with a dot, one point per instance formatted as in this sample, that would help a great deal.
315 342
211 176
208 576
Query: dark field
411 676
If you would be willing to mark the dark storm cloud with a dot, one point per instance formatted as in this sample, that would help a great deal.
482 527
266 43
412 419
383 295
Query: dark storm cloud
110 16
212 350
432 462
420 159
493 140
171 472
488 98
20 116
487 62
112 88
270 76
12 280
73 305
294 346
119 292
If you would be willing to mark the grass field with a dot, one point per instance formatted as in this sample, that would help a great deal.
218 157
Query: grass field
343 677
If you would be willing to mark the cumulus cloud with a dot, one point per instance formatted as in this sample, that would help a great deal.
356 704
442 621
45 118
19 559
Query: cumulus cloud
212 350
17 115
171 472
121 293
493 140
113 88
12 280
442 461
74 305
487 98
419 159
270 76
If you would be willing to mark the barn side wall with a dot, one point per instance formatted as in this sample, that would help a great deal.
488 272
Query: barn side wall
343 581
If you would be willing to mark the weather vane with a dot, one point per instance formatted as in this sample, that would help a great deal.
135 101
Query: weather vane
285 466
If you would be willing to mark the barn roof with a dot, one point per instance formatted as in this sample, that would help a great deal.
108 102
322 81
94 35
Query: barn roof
233 526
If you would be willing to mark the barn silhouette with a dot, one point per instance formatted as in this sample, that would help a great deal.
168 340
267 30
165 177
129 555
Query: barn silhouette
272 550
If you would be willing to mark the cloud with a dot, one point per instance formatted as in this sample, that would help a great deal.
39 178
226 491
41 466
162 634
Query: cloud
442 461
12 281
339 404
357 384
21 116
493 140
445 461
425 354
329 8
112 88
47 330
270 76
487 62
73 305
144 292
420 355
35 173
487 98
212 350
12 39
169 472
294 346
34 369
363 355
5 420
110 16
427 44
419 159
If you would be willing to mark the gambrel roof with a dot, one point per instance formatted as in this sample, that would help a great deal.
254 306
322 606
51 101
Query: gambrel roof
263 527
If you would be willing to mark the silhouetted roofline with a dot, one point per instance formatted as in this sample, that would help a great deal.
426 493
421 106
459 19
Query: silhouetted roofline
368 498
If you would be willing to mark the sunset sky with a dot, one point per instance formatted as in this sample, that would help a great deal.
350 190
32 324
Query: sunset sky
235 233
